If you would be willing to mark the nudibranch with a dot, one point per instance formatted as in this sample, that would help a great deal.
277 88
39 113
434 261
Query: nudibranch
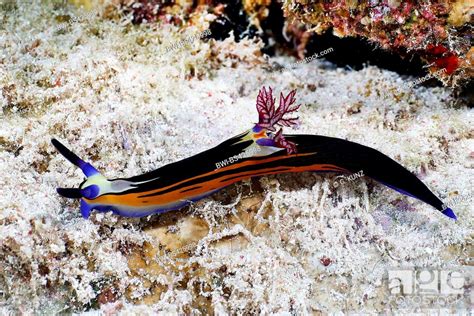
256 152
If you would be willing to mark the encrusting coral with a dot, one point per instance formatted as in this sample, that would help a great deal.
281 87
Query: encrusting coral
437 31
280 244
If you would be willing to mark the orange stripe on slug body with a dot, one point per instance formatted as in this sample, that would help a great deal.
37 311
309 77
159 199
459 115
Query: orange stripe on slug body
233 166
133 199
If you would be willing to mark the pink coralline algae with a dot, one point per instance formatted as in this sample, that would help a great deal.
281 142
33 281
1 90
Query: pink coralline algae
437 32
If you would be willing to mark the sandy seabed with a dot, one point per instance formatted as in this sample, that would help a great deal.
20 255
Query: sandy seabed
287 244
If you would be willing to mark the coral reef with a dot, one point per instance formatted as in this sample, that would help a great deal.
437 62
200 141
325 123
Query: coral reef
440 31
279 244
437 35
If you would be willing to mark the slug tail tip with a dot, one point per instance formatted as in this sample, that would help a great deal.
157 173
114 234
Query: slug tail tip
449 213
